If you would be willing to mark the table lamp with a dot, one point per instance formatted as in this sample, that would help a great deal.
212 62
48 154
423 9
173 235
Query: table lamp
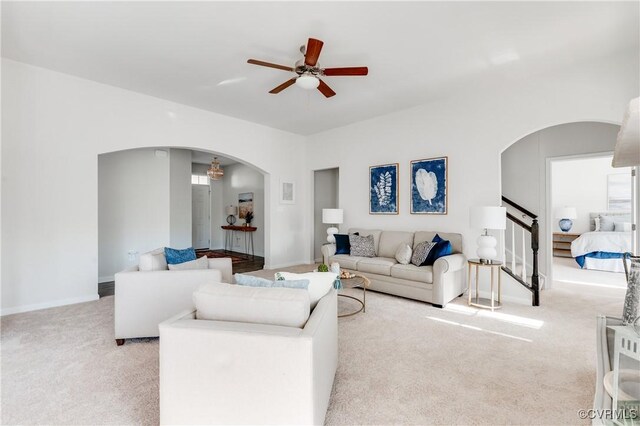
232 211
487 217
332 217
565 214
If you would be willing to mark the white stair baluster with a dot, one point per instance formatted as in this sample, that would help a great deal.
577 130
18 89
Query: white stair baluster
513 247
524 256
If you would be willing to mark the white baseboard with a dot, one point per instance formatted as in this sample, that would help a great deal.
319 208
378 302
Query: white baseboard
106 279
45 305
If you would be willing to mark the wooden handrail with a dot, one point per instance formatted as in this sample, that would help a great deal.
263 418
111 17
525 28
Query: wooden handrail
519 207
518 221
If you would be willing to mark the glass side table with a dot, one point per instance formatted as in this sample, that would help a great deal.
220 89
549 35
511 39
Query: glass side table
481 302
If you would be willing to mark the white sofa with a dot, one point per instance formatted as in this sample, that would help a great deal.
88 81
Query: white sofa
229 372
437 284
143 299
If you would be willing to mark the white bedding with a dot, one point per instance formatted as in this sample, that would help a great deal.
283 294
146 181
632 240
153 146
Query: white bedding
611 242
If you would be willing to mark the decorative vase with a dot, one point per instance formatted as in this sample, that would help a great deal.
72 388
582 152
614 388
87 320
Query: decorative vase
565 224
631 310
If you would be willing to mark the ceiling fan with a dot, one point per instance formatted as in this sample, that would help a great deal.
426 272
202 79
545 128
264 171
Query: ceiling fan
308 70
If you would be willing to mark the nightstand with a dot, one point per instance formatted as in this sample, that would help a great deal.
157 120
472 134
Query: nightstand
562 243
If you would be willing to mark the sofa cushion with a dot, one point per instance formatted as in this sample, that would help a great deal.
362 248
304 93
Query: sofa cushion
320 283
275 306
364 232
202 263
421 252
377 265
252 281
403 254
342 244
362 246
391 240
441 248
413 273
153 261
455 239
346 261
175 256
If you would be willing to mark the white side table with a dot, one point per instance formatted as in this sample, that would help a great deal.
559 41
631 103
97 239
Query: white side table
477 301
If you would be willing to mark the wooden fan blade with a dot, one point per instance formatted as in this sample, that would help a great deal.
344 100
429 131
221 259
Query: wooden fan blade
314 47
269 64
325 90
346 71
283 86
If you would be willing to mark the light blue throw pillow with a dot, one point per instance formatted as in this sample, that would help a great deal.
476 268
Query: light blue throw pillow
251 281
176 256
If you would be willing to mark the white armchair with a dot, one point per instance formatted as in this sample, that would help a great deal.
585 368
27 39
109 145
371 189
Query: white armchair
224 372
143 299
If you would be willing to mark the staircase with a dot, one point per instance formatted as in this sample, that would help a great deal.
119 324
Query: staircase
521 221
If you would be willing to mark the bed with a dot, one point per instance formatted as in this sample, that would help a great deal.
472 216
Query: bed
603 250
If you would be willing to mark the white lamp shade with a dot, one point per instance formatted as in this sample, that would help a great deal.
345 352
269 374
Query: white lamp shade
231 210
332 216
488 217
566 213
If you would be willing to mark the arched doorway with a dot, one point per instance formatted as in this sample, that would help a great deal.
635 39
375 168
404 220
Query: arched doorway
145 199
526 180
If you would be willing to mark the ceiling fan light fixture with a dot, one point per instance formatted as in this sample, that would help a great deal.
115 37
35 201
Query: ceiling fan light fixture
308 82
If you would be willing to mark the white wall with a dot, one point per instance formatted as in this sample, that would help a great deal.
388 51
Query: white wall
180 198
55 125
133 208
325 195
524 168
239 178
581 183
472 129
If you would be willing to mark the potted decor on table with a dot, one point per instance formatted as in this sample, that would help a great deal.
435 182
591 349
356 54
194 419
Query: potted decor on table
248 218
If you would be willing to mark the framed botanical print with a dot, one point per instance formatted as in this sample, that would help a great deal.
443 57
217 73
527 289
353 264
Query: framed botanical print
383 189
429 186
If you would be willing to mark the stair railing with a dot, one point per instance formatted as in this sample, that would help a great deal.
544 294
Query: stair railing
533 229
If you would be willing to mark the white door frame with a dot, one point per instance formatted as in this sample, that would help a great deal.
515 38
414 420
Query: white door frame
549 210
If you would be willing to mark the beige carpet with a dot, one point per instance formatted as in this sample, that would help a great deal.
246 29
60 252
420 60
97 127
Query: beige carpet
402 362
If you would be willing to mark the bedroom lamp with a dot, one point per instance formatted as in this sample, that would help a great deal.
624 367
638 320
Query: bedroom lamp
487 217
565 214
332 217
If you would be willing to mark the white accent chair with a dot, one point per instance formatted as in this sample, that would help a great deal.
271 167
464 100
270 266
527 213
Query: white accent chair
229 372
143 299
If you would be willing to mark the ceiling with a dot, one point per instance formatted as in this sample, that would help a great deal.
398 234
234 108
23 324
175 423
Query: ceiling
195 53
201 157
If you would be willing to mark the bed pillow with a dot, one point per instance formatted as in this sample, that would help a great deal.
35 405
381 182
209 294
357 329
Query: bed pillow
175 256
403 254
607 223
596 222
621 226
202 263
362 246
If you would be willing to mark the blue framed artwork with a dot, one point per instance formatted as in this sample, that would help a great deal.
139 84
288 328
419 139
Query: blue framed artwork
429 186
383 189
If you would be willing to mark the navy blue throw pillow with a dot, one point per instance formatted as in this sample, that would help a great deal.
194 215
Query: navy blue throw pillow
442 248
342 244
175 256
436 239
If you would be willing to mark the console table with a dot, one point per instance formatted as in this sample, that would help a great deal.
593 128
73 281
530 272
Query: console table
248 231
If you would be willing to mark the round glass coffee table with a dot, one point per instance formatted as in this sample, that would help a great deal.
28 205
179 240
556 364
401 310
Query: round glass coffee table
358 281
